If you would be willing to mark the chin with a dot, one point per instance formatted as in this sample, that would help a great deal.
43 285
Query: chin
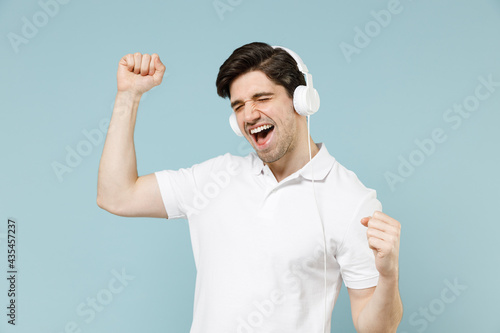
269 156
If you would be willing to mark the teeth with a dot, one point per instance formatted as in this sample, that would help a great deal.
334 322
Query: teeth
260 129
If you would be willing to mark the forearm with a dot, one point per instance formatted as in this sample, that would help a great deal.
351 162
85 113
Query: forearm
118 165
384 311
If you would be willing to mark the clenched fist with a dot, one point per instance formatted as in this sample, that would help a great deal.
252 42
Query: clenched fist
138 73
384 234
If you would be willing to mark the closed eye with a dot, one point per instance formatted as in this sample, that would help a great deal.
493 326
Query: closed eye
257 98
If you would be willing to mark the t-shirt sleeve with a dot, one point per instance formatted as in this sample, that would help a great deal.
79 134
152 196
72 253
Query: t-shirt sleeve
180 189
356 259
175 186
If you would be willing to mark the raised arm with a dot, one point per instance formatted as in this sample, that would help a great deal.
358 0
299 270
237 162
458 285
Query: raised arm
119 189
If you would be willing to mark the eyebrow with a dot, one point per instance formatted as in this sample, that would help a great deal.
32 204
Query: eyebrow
255 96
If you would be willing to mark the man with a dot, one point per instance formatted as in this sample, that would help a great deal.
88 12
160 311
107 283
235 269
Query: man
254 222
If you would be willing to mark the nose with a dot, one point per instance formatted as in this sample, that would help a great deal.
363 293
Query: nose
250 112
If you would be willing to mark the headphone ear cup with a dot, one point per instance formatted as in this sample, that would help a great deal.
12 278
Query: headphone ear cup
234 124
305 100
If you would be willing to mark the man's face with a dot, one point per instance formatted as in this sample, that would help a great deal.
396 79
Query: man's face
265 115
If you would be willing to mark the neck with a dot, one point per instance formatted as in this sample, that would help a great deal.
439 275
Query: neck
293 160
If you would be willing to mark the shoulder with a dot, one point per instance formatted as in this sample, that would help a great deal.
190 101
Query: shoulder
229 160
222 163
347 184
229 163
347 178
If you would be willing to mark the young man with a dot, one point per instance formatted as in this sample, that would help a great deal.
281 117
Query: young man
256 228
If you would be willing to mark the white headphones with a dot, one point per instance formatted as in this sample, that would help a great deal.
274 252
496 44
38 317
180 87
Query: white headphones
305 98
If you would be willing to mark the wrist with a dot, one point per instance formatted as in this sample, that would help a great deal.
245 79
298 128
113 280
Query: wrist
129 95
390 277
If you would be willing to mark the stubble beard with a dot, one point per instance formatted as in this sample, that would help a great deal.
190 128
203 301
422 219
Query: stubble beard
284 143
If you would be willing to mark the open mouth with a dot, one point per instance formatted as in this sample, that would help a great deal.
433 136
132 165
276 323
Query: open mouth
262 134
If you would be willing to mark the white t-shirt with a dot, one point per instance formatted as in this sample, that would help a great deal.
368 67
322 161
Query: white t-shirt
258 244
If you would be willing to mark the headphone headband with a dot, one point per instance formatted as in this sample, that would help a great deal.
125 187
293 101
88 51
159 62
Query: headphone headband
295 56
300 64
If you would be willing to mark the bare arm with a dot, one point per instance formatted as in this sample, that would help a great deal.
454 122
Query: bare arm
119 189
377 309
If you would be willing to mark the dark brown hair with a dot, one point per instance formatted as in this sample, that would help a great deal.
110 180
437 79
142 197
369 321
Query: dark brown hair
277 64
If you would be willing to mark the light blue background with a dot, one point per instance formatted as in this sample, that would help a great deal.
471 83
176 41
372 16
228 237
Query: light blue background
396 90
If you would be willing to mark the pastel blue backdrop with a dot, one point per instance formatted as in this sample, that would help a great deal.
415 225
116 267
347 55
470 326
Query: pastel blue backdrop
385 84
